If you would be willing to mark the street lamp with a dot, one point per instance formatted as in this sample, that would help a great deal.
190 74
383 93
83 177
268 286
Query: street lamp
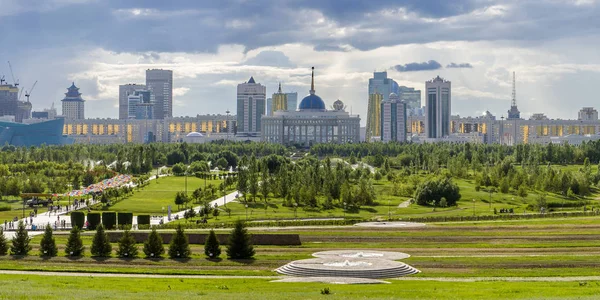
344 209
473 207
246 212
227 123
295 208
389 216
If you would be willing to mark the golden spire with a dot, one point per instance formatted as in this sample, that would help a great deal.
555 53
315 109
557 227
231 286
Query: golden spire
312 82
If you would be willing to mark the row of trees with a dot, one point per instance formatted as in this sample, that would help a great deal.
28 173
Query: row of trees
239 247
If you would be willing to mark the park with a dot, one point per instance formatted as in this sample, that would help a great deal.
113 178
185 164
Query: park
455 221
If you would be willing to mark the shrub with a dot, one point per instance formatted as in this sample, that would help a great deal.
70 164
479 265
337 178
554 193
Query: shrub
109 220
212 249
325 291
100 244
153 246
432 191
48 244
179 247
74 244
125 218
143 220
240 246
77 219
20 242
127 246
5 207
93 220
3 243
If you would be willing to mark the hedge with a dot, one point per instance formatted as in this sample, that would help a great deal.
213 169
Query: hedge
93 220
77 219
143 220
125 218
109 220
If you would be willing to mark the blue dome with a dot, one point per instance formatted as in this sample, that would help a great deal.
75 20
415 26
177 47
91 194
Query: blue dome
312 102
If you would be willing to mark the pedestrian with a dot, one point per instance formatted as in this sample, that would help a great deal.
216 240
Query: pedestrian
5 224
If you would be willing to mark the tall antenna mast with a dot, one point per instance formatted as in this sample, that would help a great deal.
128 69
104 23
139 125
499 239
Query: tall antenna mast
514 112
514 92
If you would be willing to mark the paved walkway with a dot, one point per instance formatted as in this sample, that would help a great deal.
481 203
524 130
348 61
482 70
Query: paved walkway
404 204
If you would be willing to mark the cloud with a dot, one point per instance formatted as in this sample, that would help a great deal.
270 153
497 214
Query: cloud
424 66
270 58
459 65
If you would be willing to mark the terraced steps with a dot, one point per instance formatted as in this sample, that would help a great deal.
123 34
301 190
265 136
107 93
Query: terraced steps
376 269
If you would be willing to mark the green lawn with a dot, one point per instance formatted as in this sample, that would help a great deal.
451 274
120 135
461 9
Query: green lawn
159 194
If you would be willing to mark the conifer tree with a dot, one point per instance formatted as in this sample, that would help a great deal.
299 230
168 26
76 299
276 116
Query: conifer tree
74 244
100 244
153 246
212 249
179 247
3 243
48 244
20 242
127 246
240 246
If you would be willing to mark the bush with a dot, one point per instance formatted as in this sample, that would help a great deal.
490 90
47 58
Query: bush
127 246
100 244
240 246
3 243
77 219
431 192
125 218
5 207
179 247
74 244
20 242
212 249
153 246
143 220
109 220
48 244
93 220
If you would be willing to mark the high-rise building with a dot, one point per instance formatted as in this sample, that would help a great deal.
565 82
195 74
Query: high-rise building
140 106
250 107
280 101
269 106
292 101
374 116
393 119
73 106
124 91
438 104
160 83
588 114
380 83
9 102
410 96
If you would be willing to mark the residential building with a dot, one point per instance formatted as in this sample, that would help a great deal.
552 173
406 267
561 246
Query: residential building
73 106
588 114
292 101
251 98
438 106
160 84
380 83
269 106
393 119
9 102
124 91
374 116
410 96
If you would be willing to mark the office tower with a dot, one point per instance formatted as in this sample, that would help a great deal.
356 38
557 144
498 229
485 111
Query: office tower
588 114
160 84
124 91
73 106
380 83
393 119
250 107
269 106
140 106
410 96
514 112
292 101
374 116
9 102
280 101
437 111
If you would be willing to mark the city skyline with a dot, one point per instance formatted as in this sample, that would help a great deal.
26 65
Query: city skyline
415 42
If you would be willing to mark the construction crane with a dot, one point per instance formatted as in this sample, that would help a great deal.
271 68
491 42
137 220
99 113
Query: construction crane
27 94
16 82
2 80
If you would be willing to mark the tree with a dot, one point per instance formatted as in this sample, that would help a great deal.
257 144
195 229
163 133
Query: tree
3 243
178 169
180 199
20 242
127 246
431 192
48 244
74 244
240 245
212 249
101 246
222 163
522 192
88 179
153 246
179 247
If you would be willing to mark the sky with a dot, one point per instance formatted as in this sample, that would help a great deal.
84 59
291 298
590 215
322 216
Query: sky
214 45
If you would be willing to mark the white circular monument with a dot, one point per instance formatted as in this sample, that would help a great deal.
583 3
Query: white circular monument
395 224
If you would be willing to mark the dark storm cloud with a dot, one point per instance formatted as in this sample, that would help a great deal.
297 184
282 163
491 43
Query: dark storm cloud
460 65
424 66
